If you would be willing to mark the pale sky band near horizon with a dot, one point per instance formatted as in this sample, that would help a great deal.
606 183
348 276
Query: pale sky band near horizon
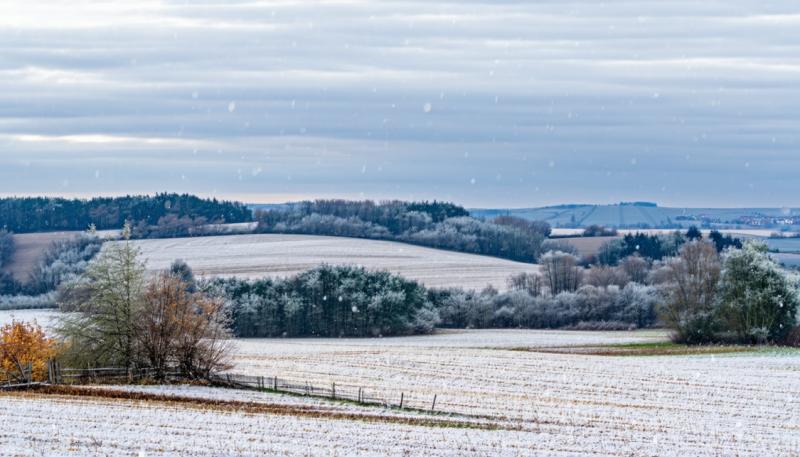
485 103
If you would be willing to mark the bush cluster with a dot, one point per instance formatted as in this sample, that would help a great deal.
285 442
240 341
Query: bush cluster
742 296
590 307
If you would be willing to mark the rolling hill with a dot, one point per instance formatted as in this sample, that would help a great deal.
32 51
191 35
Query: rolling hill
256 256
642 215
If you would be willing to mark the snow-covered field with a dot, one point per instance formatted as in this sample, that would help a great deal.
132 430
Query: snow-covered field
43 317
534 403
255 256
36 426
743 404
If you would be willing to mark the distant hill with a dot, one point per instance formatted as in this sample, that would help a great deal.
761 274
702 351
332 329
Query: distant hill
649 215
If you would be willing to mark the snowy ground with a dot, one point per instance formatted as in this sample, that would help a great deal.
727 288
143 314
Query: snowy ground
743 404
538 403
255 256
34 426
43 317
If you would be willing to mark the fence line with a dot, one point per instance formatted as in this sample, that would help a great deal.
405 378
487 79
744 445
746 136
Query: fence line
334 391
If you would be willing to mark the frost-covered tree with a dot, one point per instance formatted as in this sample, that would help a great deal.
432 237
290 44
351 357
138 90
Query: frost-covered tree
757 300
636 268
604 276
62 262
327 301
180 269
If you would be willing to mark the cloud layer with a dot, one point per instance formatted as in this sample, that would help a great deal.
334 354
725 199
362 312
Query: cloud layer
489 103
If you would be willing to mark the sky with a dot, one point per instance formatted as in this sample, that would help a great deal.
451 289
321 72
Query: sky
488 103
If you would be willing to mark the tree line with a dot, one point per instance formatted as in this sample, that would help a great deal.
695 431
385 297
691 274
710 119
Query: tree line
39 214
705 290
739 295
658 247
327 301
431 224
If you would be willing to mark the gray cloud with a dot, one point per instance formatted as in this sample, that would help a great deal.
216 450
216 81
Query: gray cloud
501 103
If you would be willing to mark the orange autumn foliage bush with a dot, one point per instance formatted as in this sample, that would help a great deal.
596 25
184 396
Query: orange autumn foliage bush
24 352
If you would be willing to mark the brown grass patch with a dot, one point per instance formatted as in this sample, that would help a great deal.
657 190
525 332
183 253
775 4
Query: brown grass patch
642 350
317 412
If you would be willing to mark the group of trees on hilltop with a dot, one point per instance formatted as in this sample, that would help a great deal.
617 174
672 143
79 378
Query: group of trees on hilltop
327 301
658 247
432 224
39 214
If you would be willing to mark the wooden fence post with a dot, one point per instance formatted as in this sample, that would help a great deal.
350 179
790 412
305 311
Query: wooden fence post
275 383
433 405
359 395
402 395
333 390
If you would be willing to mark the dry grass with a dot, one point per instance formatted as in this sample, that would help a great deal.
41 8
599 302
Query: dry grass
644 349
587 245
237 406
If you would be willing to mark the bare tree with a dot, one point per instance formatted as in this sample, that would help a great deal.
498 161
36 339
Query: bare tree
561 272
636 268
532 283
183 328
691 284
604 276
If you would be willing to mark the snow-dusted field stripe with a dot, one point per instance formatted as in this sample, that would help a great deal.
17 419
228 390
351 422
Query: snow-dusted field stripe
256 256
74 426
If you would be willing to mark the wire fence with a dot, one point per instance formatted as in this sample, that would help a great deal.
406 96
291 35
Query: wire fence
334 391
56 374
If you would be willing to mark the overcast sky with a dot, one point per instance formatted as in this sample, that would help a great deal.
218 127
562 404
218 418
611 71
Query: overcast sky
487 103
